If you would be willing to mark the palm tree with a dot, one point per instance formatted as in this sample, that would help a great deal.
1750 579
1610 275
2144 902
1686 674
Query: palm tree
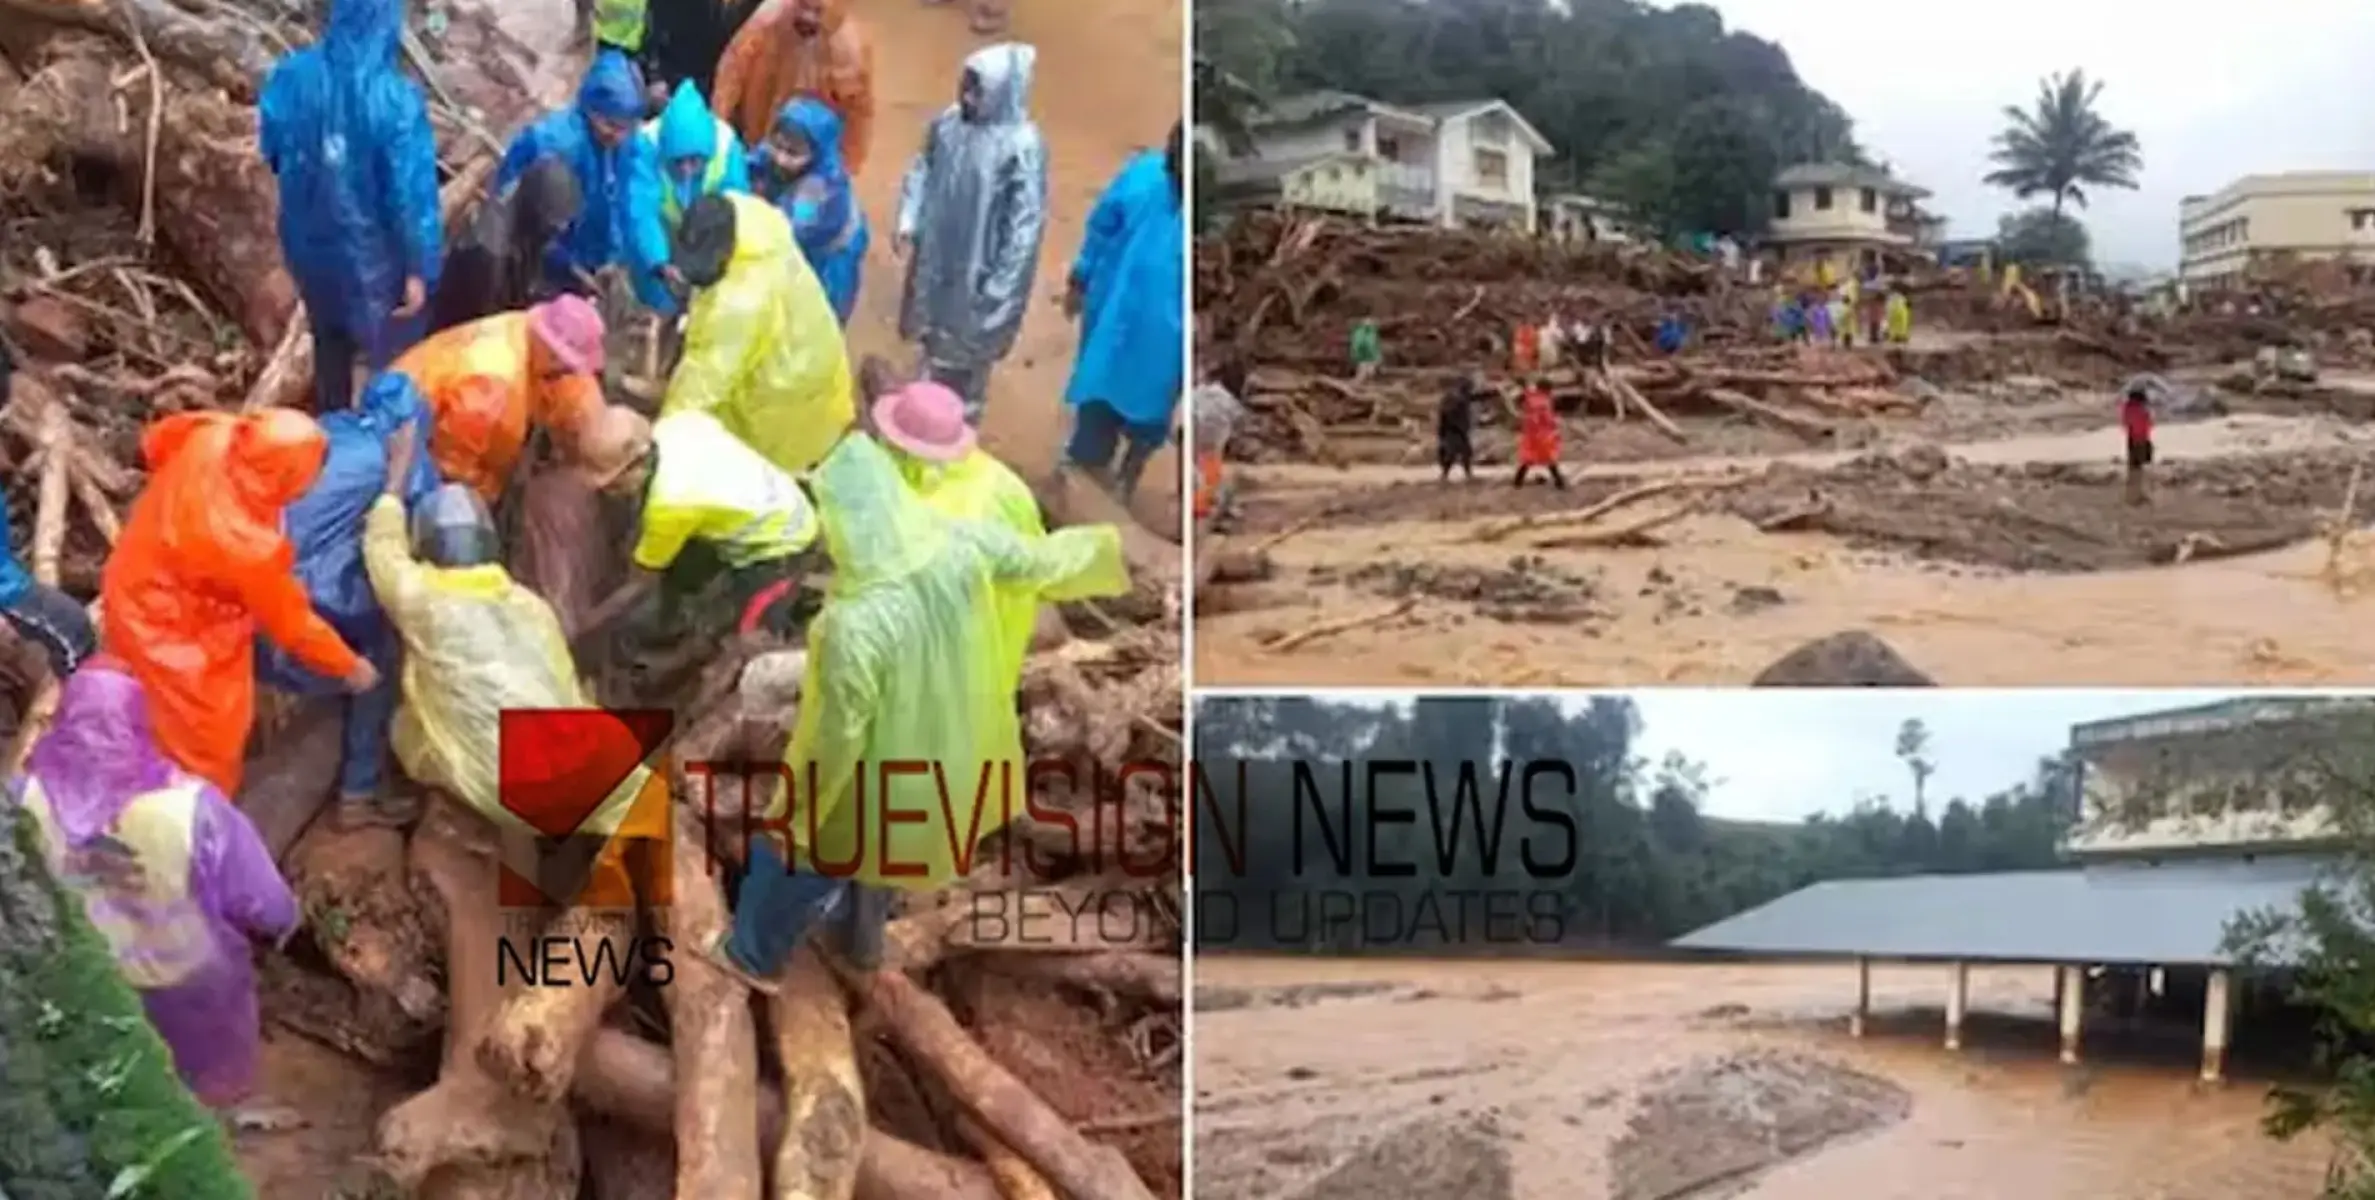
2062 146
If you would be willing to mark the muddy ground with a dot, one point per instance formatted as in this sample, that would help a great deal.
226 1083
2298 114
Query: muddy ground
1972 535
1566 1081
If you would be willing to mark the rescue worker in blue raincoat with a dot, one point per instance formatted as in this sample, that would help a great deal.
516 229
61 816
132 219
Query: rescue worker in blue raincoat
687 152
801 169
1126 288
348 137
593 138
325 528
972 210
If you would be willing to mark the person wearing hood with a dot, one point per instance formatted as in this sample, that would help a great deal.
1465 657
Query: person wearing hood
1131 274
682 155
53 620
762 352
476 644
204 564
325 528
174 877
793 48
498 264
592 137
972 211
802 171
487 383
905 662
347 135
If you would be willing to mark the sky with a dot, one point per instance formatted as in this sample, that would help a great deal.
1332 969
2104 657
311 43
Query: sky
2213 93
1784 756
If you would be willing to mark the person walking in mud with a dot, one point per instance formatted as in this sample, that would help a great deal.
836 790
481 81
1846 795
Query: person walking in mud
1455 428
1538 435
972 212
2135 417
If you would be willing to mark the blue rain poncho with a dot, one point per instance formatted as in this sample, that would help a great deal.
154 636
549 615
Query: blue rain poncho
826 218
657 200
613 89
348 136
906 664
975 202
15 581
325 528
1132 268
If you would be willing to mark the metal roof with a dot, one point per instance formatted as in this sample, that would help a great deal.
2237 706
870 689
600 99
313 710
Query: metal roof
2163 915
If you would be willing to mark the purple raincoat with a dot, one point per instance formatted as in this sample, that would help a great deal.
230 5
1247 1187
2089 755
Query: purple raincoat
97 756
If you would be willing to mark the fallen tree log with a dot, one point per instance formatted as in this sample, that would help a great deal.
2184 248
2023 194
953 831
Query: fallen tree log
717 1132
229 54
989 1093
817 1156
630 1079
469 1137
1810 428
533 1044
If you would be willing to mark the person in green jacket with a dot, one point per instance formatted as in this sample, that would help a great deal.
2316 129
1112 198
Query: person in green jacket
1367 351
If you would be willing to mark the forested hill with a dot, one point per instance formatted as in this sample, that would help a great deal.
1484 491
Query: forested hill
1617 846
1661 109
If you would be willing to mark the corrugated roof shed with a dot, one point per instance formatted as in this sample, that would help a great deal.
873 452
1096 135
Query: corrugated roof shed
2166 915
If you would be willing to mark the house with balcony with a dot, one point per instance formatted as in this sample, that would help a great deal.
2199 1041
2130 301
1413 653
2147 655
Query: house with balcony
2301 215
1845 215
2185 820
1451 164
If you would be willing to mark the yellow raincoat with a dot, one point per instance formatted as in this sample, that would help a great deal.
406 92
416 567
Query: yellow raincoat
477 643
708 485
978 487
906 678
763 352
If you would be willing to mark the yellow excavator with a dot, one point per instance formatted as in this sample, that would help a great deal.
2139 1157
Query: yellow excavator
2015 288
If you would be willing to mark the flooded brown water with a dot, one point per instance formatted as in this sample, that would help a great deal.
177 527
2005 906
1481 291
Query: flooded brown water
1670 614
1555 1059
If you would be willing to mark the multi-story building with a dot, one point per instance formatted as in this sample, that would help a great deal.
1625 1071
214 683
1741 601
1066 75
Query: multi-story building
2186 819
1464 162
1843 214
2310 215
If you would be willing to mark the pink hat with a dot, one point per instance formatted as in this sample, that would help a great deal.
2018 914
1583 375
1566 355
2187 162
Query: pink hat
571 327
925 420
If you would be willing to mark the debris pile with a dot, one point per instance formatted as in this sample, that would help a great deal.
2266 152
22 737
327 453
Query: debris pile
140 275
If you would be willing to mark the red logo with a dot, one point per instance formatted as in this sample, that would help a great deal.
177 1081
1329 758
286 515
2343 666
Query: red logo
560 771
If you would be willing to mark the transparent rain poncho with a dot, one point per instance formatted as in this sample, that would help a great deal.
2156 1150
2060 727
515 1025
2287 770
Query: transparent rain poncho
906 665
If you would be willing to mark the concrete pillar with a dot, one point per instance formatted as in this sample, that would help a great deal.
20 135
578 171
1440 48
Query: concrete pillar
1958 996
2217 1022
2071 995
1863 998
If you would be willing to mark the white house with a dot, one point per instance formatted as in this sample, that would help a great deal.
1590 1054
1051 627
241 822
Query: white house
1842 214
1464 162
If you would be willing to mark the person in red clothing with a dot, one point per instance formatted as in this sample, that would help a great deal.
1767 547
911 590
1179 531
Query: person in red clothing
1538 435
2135 415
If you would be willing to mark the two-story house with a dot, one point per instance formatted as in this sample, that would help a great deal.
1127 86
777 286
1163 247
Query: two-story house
1843 214
1465 162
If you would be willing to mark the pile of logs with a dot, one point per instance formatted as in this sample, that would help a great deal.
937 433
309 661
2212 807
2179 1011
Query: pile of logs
964 1069
1812 394
1287 289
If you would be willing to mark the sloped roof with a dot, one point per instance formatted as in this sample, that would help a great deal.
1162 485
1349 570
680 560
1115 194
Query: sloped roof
1319 105
2164 915
1806 175
1452 110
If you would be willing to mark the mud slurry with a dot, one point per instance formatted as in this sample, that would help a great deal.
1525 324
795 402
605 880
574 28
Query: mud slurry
1707 1130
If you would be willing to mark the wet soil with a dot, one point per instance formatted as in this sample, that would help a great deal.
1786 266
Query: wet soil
1544 1080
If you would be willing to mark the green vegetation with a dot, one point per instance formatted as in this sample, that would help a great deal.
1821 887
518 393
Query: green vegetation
1660 109
90 1106
2060 146
1652 865
2043 237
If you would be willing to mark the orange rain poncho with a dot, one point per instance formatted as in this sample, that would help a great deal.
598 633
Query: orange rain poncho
1537 431
768 63
480 384
202 566
1525 349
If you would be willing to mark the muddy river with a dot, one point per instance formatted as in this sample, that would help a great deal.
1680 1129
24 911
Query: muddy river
1109 79
2019 564
1343 1080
